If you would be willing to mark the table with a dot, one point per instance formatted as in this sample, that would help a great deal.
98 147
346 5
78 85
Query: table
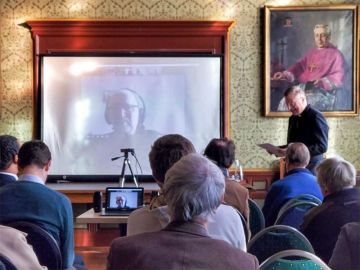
83 192
92 219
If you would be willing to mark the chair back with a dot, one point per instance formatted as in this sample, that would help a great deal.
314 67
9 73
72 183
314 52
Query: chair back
300 198
293 259
256 218
294 215
243 221
43 243
277 238
6 264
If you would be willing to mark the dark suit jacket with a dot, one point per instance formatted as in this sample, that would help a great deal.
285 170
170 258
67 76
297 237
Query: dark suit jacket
323 223
347 249
178 246
6 179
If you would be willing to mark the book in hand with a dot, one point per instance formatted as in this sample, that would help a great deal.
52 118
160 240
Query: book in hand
272 149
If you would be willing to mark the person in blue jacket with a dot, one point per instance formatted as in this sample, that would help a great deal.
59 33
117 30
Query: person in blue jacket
29 199
298 180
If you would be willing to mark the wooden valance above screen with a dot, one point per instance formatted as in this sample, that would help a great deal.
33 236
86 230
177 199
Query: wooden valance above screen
112 37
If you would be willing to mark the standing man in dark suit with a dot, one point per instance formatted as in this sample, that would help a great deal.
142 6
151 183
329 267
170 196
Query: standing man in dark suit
306 125
9 148
193 189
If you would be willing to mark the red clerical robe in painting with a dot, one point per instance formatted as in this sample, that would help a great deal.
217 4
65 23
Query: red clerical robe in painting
324 64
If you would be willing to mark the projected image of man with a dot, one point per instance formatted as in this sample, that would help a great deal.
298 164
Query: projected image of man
125 114
124 110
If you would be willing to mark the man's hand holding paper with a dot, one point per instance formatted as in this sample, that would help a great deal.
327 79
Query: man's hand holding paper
273 150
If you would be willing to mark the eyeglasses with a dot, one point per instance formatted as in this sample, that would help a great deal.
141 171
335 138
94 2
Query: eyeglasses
124 107
292 103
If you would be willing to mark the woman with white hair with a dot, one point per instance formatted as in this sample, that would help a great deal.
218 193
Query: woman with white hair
341 205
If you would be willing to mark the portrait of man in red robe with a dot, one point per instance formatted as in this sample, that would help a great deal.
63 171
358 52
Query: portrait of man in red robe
322 69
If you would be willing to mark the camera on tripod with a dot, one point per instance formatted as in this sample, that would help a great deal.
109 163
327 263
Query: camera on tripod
126 162
127 150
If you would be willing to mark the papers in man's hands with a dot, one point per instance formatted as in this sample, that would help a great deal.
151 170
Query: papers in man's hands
271 149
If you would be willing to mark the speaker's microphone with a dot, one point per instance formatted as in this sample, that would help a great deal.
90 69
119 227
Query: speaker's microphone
115 158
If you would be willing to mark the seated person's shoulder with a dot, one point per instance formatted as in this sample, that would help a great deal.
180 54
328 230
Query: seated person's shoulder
352 228
16 248
11 233
279 184
58 196
146 211
147 220
236 185
226 211
143 211
247 260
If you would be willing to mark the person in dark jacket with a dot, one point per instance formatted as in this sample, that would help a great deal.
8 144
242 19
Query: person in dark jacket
341 205
9 148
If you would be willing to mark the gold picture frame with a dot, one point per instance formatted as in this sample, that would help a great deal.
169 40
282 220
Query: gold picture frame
316 47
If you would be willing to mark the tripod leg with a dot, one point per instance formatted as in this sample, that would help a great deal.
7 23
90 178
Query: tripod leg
122 176
134 178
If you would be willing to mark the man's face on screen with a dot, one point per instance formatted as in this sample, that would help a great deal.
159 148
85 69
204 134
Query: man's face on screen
120 201
122 112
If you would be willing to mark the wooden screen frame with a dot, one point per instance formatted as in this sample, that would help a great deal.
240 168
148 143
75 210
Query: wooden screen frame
112 36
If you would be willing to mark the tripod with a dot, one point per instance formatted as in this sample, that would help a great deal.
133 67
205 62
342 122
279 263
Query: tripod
127 162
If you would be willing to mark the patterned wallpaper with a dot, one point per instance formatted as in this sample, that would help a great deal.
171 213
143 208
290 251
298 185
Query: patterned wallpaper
248 126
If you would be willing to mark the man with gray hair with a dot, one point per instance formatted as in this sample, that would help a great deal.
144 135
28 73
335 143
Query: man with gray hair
193 189
341 205
298 180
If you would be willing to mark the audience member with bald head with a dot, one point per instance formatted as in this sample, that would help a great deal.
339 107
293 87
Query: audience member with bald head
193 188
341 205
298 180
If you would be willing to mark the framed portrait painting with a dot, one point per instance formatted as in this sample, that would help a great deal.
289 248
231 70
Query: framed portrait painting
314 47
